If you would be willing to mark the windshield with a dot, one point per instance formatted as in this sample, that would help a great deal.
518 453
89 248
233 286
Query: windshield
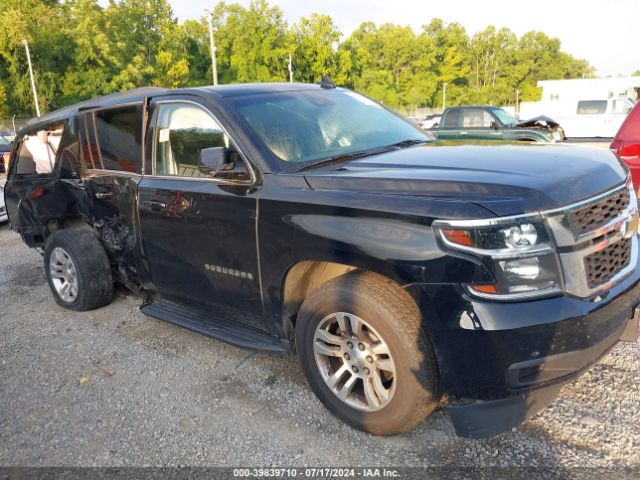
304 127
4 141
505 117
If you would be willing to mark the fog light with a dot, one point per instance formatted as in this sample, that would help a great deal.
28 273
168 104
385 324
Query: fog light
526 268
519 236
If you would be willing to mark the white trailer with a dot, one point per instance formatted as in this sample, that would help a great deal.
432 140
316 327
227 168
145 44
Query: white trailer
594 107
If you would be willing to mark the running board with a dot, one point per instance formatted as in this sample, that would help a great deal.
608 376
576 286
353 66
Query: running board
222 329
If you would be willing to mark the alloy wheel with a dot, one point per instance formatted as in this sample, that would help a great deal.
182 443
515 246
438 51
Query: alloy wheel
354 361
64 275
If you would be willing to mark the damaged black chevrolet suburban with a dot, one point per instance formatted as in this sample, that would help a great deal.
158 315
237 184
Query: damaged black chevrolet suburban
309 219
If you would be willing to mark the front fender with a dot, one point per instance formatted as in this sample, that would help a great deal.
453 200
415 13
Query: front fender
403 251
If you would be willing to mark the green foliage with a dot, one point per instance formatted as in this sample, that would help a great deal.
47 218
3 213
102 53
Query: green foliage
314 48
82 50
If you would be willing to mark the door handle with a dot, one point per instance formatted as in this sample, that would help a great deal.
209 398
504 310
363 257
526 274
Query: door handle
154 205
104 195
464 133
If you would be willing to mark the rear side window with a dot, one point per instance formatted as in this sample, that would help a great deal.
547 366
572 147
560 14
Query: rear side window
476 118
592 107
111 139
38 151
451 120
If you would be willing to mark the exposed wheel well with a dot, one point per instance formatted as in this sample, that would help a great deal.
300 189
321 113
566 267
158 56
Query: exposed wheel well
68 222
301 280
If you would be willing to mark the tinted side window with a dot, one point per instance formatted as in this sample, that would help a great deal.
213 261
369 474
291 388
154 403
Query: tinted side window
112 139
38 150
451 120
592 107
182 131
70 161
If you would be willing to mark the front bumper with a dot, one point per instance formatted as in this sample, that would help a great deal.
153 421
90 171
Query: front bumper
484 419
500 363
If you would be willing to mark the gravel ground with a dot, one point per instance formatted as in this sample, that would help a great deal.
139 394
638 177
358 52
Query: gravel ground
113 387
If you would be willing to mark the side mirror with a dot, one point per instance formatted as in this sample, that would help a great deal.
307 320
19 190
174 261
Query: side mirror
214 160
494 125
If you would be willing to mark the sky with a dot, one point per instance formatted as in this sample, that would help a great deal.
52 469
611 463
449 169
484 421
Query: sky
604 32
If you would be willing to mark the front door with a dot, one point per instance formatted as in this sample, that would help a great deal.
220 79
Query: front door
478 124
199 231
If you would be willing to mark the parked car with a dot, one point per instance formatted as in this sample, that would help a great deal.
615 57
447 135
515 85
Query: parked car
626 144
295 218
493 123
431 121
584 118
5 153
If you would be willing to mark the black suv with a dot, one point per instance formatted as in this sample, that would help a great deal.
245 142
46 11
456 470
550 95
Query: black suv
309 219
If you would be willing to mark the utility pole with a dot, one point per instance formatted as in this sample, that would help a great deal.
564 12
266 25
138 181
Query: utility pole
444 96
33 82
518 101
290 70
212 46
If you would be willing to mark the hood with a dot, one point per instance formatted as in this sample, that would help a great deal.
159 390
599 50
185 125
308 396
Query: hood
539 122
506 179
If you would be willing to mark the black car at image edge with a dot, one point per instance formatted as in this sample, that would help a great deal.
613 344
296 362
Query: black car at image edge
311 220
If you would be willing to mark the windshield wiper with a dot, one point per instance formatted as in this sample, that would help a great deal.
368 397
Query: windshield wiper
345 157
363 153
407 143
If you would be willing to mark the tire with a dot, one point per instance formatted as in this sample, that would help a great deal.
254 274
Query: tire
390 317
89 266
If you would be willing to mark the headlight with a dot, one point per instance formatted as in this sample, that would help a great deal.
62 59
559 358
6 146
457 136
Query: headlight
557 136
519 254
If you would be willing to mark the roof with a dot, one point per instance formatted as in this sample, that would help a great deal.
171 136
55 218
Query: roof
140 93
238 89
113 99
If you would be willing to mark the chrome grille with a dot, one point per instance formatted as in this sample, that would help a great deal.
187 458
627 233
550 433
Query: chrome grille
594 216
597 241
602 266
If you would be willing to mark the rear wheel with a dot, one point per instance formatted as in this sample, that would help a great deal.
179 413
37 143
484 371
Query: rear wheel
365 355
78 270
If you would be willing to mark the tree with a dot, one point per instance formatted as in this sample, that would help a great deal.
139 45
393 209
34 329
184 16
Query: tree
144 32
451 62
81 50
260 56
43 25
314 49
93 61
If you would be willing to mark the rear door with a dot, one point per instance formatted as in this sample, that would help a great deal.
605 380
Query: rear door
112 156
33 193
199 232
591 119
448 127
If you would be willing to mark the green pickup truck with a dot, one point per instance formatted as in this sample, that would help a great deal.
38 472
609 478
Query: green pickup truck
494 123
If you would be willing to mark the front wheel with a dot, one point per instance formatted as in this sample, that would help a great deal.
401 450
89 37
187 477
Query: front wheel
364 353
